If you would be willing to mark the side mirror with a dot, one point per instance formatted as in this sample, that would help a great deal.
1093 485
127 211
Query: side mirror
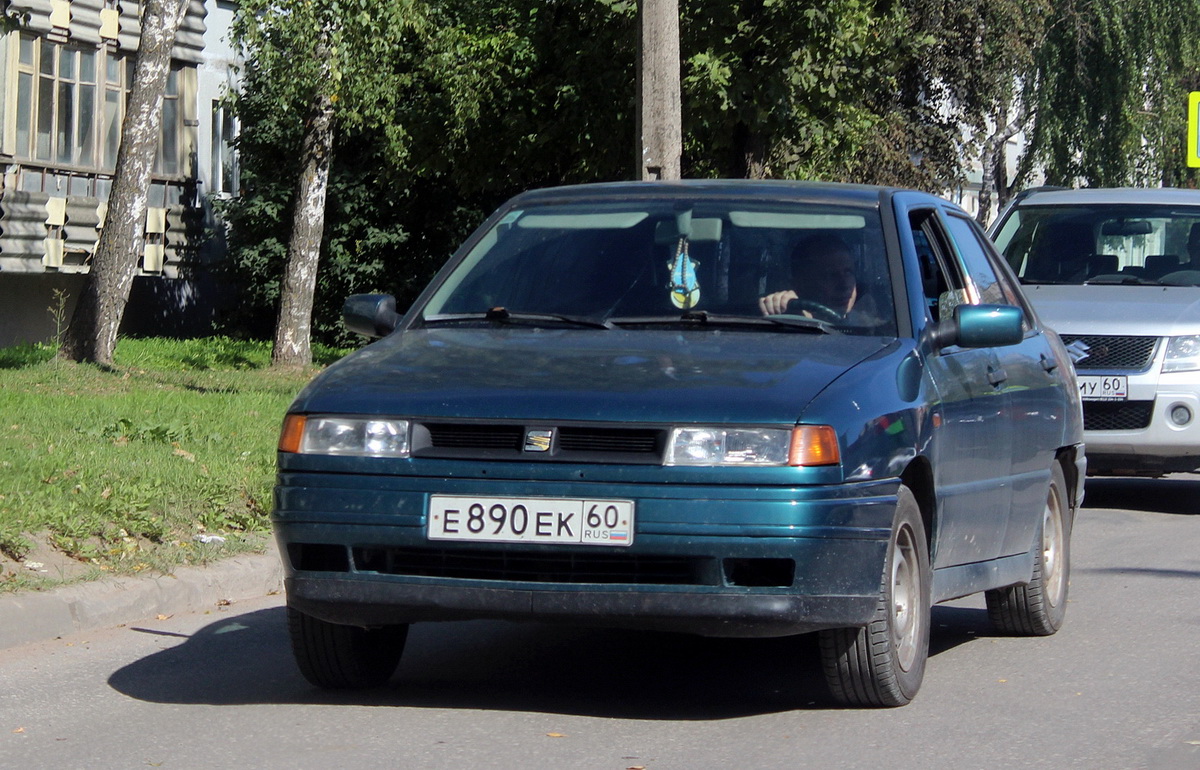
981 326
372 315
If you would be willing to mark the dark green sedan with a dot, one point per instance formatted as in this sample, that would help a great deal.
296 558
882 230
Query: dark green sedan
737 409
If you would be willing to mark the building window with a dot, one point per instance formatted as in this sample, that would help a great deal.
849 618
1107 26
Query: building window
56 103
167 161
224 160
114 106
70 102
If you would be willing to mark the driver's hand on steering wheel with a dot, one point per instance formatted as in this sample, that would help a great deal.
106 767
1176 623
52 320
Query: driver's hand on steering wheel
775 304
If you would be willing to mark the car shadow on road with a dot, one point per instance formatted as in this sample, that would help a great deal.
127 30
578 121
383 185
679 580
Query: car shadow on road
1167 495
246 659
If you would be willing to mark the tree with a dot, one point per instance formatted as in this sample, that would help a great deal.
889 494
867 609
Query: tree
1108 88
781 88
328 63
487 100
92 333
962 90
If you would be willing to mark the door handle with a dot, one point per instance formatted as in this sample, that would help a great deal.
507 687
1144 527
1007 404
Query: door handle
997 375
1049 364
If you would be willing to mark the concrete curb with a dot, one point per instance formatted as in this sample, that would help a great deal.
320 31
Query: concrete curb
40 616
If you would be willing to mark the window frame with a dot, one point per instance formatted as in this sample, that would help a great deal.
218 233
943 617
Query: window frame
112 77
987 257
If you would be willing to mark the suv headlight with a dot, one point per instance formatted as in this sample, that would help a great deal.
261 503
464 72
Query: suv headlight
803 445
354 436
1183 354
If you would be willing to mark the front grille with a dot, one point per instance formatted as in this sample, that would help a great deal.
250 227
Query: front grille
559 567
470 436
528 442
1114 353
1117 415
608 440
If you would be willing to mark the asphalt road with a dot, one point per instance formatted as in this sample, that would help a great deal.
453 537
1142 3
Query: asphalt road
1118 687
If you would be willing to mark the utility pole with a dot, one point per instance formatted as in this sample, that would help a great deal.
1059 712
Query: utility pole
659 115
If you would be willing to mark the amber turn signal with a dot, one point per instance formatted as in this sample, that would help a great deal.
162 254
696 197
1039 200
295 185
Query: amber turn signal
814 445
293 431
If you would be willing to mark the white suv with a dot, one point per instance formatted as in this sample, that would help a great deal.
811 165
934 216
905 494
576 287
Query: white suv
1116 272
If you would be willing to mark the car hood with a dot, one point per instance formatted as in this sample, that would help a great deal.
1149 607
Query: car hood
531 374
1117 310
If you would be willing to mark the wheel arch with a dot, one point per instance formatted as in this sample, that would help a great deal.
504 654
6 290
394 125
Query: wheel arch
1070 458
918 477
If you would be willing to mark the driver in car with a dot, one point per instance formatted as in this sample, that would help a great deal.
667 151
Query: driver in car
823 277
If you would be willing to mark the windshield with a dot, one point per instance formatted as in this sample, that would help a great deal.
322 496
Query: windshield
738 264
1123 244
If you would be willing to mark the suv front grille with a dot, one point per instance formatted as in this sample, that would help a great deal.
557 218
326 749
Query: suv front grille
1117 415
1112 353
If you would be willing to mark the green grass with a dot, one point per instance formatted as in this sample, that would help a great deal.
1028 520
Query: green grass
119 470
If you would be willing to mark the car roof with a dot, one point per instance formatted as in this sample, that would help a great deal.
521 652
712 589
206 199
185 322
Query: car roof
1110 195
766 189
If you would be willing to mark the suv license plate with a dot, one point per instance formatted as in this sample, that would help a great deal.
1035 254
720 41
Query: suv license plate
531 520
1094 388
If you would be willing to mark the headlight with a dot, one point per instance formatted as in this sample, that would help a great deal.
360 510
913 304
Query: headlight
804 445
1183 354
356 436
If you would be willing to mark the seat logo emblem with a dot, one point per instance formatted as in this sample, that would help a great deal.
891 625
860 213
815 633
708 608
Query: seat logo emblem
538 440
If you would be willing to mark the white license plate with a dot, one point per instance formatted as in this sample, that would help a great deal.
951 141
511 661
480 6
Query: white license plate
1096 388
531 520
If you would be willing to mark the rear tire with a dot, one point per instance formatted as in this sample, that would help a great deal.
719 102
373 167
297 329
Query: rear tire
883 663
1039 607
337 657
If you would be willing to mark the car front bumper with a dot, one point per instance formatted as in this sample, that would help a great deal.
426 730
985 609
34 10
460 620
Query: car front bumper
715 560
1163 443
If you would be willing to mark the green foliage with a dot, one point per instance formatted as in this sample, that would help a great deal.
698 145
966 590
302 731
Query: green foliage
959 68
482 101
782 89
26 354
1110 89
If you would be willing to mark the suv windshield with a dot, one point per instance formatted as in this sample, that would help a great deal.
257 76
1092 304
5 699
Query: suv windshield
702 263
1103 243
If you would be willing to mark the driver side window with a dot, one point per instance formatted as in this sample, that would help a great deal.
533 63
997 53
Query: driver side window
941 279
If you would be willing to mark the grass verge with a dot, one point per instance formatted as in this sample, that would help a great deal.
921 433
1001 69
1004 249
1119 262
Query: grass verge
167 459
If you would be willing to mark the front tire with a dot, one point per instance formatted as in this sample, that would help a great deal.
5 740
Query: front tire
1039 607
337 657
883 663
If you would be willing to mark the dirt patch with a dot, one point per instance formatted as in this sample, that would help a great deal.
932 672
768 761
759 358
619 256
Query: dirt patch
44 561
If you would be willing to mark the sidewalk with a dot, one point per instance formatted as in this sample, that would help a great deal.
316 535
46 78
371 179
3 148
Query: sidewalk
35 616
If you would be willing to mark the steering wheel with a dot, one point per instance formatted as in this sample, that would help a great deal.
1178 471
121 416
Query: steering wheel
816 309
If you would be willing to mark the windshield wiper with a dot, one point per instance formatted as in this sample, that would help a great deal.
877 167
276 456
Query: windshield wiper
504 315
705 319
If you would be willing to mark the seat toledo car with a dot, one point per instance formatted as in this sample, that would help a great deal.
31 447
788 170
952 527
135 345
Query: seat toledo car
739 409
1116 272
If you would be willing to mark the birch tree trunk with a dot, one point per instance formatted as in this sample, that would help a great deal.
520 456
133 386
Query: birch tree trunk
92 333
994 160
293 329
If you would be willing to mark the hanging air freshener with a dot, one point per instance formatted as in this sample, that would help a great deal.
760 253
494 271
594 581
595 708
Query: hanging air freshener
685 290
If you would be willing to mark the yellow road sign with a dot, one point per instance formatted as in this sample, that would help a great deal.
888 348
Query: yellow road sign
1193 136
